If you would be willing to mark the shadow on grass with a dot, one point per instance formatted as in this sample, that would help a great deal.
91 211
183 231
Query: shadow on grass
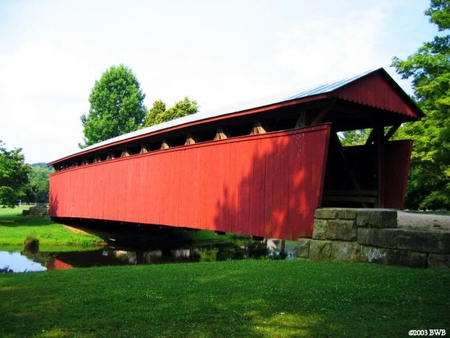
15 219
28 221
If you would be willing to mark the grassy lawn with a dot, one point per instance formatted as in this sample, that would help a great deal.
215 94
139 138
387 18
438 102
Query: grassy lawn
247 298
14 228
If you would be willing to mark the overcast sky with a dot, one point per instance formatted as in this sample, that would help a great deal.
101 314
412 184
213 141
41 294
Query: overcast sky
216 52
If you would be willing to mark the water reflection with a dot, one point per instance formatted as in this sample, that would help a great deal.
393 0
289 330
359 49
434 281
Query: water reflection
17 262
109 256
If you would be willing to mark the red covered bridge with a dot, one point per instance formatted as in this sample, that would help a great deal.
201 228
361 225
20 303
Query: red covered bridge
260 170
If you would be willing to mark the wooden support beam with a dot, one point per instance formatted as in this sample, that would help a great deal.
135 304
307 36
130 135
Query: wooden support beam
110 156
125 153
165 144
379 136
370 139
221 134
259 128
189 139
323 113
302 120
144 149
391 132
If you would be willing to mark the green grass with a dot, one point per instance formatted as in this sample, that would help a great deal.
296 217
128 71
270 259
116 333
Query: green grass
14 228
225 299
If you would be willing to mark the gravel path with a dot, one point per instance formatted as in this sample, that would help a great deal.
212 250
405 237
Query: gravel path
418 220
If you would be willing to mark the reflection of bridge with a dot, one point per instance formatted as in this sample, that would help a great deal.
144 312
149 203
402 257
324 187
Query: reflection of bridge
260 170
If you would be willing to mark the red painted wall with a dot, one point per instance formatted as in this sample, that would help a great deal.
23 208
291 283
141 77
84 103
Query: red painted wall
263 185
397 156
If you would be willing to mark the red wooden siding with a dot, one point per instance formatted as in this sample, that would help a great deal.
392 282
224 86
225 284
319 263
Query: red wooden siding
265 185
376 90
396 166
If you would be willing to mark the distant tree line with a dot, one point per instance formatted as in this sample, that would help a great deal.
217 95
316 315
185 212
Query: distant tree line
20 182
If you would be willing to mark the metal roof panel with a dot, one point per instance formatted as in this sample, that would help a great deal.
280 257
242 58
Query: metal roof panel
256 103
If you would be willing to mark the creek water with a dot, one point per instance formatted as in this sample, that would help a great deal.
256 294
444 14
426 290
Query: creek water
22 261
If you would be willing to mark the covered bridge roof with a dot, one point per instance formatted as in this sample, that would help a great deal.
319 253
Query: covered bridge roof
363 101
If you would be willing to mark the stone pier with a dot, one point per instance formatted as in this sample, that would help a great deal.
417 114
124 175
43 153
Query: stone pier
372 235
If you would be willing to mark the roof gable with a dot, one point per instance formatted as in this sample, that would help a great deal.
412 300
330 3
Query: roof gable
377 89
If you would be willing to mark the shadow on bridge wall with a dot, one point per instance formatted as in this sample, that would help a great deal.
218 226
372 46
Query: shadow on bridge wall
279 189
266 185
54 205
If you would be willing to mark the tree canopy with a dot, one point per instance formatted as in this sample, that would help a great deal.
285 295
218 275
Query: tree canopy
39 183
429 69
13 176
158 113
116 106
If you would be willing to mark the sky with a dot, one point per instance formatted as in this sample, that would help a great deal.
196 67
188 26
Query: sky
216 52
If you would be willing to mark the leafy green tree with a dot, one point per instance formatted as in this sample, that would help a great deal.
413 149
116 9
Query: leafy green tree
39 182
116 106
155 114
354 137
13 176
429 69
158 113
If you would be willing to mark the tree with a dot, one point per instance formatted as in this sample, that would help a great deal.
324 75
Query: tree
429 68
13 176
354 137
155 114
158 113
116 106
39 182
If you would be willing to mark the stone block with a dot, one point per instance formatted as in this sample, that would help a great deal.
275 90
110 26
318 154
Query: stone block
342 229
424 241
374 255
346 213
386 238
320 229
408 258
406 239
326 213
376 218
320 251
345 251
393 257
436 261
302 249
